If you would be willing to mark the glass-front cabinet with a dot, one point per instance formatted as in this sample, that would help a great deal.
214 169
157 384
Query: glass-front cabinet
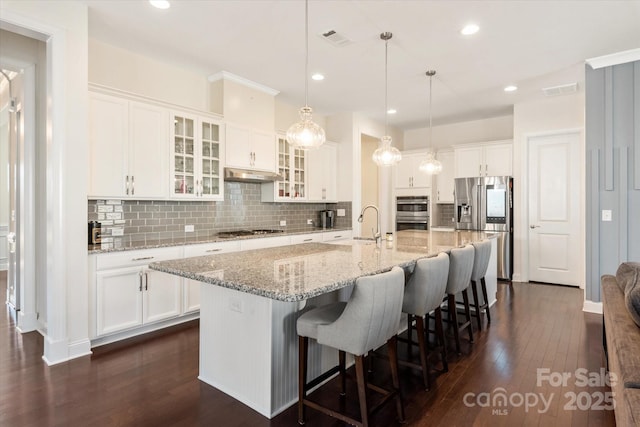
196 163
292 167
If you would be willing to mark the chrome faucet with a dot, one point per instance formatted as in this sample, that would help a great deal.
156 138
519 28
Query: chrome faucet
376 234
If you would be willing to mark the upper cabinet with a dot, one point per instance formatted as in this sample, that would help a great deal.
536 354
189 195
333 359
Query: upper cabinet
408 174
128 153
196 160
322 174
292 167
490 159
445 179
250 149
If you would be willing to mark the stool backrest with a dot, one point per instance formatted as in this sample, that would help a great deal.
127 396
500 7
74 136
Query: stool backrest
371 317
427 286
460 268
481 259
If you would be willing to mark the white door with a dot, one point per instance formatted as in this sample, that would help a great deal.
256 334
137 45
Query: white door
118 299
468 162
554 209
161 296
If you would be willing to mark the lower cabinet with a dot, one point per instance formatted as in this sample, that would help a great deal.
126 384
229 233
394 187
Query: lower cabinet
129 295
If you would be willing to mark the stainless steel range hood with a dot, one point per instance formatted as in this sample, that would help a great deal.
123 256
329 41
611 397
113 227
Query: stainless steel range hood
245 175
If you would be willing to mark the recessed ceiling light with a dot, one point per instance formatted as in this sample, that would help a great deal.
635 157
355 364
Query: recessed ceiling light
511 88
391 111
317 77
469 30
160 4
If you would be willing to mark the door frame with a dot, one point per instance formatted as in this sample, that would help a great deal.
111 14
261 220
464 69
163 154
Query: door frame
523 229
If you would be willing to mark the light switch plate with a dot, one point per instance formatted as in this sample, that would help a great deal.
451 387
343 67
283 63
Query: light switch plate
283 223
117 231
606 215
341 212
188 228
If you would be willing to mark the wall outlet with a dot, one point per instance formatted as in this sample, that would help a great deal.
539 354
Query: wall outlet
117 231
309 222
235 304
606 215
341 212
188 228
283 222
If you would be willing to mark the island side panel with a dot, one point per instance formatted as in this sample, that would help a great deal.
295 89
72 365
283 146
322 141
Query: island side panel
235 345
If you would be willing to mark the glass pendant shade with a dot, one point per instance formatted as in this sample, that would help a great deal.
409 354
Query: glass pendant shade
305 134
431 165
386 154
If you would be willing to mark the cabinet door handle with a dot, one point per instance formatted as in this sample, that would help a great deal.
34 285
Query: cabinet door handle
142 258
337 237
213 250
140 279
486 169
127 185
480 170
307 240
146 281
133 185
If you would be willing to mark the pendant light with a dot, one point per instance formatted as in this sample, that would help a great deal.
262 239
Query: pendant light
431 165
306 134
386 154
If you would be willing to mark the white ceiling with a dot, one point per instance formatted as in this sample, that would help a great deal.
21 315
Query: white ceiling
532 44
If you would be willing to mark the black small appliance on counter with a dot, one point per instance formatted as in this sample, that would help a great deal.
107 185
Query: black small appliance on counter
327 219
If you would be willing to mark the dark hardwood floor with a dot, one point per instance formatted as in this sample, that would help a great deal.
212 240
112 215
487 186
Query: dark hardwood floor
154 382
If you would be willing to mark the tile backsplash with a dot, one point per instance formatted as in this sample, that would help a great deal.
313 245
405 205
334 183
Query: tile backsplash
146 220
445 215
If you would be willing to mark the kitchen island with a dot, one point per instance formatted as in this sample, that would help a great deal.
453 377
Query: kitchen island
250 302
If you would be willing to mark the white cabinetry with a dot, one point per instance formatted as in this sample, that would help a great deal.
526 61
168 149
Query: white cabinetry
128 151
334 236
445 179
128 294
292 166
408 174
322 174
196 160
191 288
250 149
265 242
306 238
490 159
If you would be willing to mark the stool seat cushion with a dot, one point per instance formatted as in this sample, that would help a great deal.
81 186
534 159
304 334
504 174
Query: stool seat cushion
427 286
307 324
460 269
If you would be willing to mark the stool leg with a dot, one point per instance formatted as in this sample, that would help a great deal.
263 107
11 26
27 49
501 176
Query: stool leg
409 334
423 350
476 303
303 345
440 337
465 296
362 390
392 345
486 299
453 315
343 375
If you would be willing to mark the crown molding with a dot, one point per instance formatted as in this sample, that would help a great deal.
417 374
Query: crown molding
614 59
225 75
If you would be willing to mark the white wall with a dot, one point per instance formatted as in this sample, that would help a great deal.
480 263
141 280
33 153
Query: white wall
121 69
537 117
64 25
444 136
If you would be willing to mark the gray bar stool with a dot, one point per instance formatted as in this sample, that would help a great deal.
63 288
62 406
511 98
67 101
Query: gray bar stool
460 269
423 293
480 265
368 320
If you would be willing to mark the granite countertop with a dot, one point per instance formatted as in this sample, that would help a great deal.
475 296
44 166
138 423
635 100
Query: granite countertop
299 272
123 244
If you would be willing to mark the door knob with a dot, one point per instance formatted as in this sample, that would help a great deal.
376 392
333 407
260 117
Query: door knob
534 226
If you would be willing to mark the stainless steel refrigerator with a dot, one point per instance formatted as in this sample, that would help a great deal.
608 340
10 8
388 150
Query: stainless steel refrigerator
486 204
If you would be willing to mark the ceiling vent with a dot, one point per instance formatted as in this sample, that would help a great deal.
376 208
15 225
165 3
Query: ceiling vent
335 38
560 90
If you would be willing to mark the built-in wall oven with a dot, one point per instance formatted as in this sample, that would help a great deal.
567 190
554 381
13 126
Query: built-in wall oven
412 213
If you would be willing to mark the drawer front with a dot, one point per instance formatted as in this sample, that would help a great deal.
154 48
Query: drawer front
306 238
211 248
135 258
330 236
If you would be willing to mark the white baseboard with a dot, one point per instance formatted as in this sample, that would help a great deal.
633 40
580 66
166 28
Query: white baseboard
27 322
592 307
55 351
79 349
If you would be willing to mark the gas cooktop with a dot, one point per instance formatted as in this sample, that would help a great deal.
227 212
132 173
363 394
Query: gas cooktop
242 233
